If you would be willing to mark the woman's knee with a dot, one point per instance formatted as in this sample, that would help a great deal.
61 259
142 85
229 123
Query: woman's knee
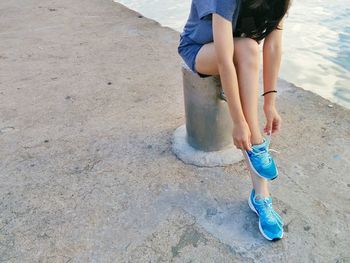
246 53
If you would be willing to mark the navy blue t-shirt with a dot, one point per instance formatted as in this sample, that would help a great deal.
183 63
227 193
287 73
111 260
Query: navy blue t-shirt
199 23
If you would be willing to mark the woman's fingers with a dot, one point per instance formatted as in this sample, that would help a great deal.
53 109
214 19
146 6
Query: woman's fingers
243 144
268 126
276 126
239 144
279 125
246 145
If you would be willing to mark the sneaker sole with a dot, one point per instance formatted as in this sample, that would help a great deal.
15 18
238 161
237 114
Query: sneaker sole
252 169
260 228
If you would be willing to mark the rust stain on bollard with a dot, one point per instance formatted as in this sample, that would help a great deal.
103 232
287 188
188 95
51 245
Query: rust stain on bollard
208 121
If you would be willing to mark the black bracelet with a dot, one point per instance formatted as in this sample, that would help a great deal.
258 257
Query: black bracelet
268 92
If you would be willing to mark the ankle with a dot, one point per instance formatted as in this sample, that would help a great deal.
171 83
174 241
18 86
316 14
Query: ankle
261 194
256 139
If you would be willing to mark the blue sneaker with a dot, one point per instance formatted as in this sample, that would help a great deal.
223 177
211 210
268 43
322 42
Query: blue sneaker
260 160
270 223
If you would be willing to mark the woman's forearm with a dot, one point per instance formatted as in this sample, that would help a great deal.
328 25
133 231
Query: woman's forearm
224 49
272 53
229 83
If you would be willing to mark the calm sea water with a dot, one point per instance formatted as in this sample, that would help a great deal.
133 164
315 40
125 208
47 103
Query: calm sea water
316 41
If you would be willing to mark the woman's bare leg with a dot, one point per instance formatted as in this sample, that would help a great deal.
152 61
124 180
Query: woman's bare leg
246 60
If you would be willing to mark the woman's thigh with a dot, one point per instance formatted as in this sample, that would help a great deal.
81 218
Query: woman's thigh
206 62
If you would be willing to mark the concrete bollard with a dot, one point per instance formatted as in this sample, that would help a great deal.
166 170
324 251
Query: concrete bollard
206 138
208 121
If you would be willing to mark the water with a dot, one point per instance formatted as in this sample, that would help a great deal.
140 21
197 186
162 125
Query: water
316 41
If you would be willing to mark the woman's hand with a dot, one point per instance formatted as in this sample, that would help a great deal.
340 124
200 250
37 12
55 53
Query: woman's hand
273 120
241 135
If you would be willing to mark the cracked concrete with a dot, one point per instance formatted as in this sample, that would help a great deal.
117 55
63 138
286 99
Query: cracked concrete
90 95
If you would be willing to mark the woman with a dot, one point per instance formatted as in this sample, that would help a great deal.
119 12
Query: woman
222 37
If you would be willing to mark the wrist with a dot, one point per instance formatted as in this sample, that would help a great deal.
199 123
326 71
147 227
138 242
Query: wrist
237 115
269 100
269 105
268 92
239 121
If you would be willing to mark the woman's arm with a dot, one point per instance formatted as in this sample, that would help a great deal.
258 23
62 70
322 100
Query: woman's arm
224 49
223 43
272 53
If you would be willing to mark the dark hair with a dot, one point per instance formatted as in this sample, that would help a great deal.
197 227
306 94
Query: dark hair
258 18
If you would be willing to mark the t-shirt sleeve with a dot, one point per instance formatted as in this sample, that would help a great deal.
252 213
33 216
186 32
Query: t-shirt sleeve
224 8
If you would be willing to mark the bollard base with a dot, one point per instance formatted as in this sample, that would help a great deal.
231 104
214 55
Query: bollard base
190 155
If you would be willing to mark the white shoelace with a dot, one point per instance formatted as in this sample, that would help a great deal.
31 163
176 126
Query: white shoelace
269 141
268 212
264 155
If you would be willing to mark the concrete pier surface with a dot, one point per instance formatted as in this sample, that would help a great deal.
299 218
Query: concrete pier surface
90 95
